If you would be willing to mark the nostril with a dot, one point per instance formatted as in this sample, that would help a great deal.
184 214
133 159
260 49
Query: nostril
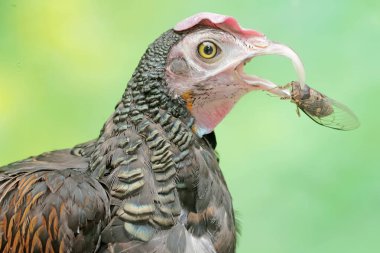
260 42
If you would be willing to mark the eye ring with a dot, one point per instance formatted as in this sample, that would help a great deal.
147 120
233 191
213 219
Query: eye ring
207 49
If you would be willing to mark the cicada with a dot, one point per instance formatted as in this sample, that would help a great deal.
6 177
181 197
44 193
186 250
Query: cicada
322 109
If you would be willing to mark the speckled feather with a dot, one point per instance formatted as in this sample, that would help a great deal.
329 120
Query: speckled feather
146 184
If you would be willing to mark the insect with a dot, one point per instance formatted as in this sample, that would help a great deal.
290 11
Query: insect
322 109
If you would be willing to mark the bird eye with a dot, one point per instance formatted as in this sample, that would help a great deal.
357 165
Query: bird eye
207 49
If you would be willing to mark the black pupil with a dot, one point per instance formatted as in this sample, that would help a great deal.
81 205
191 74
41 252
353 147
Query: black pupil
208 49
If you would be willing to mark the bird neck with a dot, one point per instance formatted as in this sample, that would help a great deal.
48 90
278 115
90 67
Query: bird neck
147 100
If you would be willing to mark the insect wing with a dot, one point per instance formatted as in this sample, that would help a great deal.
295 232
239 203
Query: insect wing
341 117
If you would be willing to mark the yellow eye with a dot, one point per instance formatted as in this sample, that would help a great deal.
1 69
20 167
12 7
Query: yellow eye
207 49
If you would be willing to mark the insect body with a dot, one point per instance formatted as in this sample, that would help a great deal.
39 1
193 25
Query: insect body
322 109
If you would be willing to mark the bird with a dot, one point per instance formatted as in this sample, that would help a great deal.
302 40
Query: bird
151 181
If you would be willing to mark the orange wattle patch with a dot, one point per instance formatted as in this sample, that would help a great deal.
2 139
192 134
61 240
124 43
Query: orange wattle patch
188 97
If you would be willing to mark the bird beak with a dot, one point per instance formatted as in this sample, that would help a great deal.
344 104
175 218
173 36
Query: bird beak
262 46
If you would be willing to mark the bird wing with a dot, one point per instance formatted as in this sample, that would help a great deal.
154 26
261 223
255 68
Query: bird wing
57 160
48 204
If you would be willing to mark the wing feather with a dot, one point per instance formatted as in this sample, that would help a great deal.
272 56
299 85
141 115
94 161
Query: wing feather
48 204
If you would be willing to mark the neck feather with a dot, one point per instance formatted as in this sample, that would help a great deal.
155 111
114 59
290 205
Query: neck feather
146 100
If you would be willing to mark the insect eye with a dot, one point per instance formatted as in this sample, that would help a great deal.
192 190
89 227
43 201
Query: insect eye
207 49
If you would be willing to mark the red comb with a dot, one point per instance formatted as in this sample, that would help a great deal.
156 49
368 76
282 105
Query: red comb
223 22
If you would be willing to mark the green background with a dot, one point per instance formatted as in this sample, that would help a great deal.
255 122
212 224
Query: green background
298 187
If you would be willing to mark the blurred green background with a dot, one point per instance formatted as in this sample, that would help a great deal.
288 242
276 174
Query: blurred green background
297 187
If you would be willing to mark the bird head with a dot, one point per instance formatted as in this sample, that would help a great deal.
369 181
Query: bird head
206 67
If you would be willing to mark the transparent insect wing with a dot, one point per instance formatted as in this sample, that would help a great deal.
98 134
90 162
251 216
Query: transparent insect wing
342 118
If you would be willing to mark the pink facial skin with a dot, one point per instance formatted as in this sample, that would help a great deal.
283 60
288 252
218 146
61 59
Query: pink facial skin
211 87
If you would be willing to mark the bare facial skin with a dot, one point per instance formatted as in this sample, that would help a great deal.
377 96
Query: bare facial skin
212 86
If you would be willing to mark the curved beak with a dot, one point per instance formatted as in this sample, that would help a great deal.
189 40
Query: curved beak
262 46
